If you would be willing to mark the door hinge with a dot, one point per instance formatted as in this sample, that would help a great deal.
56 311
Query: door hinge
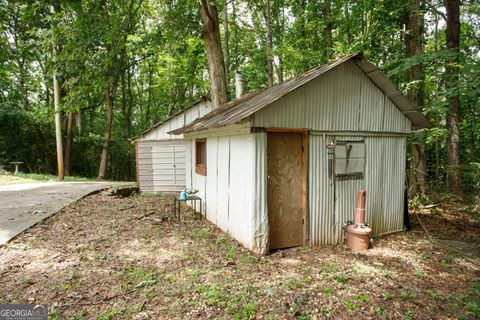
303 221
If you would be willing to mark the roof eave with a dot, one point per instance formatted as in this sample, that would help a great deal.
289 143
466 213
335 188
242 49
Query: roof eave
137 137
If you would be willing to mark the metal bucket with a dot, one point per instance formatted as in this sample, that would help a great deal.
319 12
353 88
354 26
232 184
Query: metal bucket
358 237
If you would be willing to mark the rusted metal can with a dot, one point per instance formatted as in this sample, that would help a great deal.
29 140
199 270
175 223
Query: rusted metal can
358 237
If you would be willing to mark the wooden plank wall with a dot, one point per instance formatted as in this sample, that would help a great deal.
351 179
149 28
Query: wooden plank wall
227 189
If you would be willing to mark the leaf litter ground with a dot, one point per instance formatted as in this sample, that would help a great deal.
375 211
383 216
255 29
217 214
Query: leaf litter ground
127 258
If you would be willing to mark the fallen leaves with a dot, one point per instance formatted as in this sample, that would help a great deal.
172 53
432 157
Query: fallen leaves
129 257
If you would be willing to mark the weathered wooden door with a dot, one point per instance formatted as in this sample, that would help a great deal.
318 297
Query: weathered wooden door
285 189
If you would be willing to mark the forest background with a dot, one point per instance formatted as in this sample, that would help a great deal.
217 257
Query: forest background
124 65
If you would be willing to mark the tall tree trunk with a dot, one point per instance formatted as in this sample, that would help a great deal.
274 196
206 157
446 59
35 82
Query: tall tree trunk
327 31
437 117
78 120
280 55
69 144
225 43
413 48
269 43
22 72
452 119
216 66
110 89
129 125
347 23
149 97
58 127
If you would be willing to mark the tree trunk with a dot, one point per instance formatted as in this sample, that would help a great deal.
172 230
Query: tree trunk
418 169
58 127
129 125
69 144
149 97
281 40
216 66
437 116
451 85
22 72
327 31
413 48
269 44
78 119
110 88
225 42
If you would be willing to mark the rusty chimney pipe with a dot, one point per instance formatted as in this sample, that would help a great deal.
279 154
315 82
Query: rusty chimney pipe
358 234
239 87
360 212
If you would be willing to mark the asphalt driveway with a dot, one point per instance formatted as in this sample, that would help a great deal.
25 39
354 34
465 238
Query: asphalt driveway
23 205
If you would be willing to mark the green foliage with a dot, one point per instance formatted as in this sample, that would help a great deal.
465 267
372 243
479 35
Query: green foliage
409 315
351 305
151 55
34 142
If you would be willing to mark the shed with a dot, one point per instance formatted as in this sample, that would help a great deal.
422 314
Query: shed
160 156
280 167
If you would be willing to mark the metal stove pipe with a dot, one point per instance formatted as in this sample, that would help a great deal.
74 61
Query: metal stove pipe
360 211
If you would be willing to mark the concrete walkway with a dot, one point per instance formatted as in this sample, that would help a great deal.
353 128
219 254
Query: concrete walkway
23 205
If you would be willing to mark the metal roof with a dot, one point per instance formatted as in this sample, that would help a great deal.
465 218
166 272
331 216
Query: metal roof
237 110
158 124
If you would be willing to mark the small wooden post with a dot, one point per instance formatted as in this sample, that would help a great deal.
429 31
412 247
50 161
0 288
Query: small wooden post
17 165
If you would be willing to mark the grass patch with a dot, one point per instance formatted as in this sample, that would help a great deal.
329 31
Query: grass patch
201 234
351 305
9 179
405 294
241 306
329 292
292 283
212 294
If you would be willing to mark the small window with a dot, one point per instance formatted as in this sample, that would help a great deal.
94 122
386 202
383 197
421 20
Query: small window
201 156
350 159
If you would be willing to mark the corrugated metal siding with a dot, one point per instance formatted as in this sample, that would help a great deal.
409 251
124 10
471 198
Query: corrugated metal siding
240 109
260 206
343 99
321 210
345 197
161 165
384 182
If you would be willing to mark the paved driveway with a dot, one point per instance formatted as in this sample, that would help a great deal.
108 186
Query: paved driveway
23 205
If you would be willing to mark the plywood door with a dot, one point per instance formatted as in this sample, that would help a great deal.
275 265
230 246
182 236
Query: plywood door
285 184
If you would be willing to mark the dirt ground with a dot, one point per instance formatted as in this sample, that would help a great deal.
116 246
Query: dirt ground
121 258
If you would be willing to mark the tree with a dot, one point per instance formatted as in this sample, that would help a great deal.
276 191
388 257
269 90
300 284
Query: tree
269 43
414 50
58 127
452 33
327 30
120 24
213 47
